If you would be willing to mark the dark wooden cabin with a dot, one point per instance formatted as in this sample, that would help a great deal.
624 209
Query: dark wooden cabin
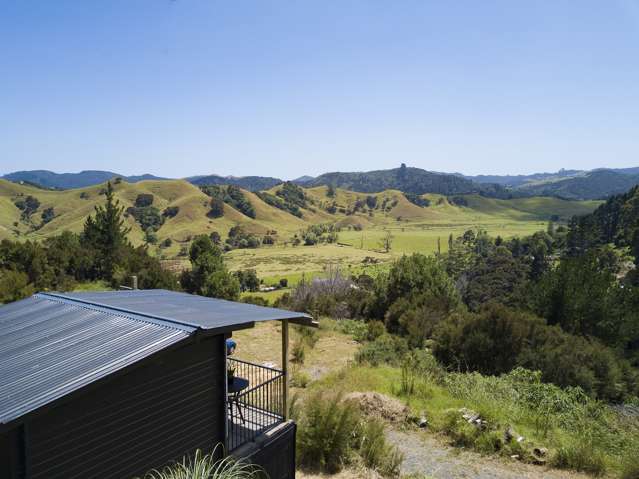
113 384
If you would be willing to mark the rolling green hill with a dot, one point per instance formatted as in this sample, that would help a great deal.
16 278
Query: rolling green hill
363 219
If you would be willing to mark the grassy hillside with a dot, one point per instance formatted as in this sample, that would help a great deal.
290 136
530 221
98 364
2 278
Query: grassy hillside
364 219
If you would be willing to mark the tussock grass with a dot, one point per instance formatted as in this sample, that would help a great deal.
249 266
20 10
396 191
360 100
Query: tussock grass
332 433
205 466
579 432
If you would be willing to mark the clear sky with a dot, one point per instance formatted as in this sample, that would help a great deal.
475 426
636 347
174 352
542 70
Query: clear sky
279 88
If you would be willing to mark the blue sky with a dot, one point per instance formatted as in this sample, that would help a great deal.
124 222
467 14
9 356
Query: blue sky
278 88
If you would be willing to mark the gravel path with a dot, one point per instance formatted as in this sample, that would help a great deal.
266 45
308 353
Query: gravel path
425 454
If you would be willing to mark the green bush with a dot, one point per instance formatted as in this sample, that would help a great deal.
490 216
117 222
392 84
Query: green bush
143 200
386 349
171 211
326 428
300 379
375 329
498 339
461 433
353 327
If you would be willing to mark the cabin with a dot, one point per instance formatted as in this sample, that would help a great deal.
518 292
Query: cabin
114 384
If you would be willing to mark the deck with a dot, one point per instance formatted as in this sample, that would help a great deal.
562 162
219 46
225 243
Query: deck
257 407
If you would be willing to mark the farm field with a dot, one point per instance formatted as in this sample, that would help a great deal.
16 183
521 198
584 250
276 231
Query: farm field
361 229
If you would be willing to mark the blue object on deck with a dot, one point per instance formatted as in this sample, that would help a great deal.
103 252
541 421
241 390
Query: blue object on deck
230 346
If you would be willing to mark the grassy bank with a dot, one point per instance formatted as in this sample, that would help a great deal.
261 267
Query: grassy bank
578 433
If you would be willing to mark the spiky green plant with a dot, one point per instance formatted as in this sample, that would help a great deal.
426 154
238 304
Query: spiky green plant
205 466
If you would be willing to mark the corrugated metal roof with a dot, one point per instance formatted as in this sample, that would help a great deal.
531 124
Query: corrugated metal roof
50 347
188 309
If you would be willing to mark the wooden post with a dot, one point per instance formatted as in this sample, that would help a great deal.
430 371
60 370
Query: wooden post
134 282
285 367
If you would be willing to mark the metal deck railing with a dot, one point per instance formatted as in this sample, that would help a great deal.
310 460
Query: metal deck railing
256 408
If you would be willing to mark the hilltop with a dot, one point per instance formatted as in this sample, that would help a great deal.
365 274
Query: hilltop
64 181
596 184
406 179
571 184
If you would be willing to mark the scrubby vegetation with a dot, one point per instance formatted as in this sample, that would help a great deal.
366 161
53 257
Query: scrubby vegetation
533 337
417 200
101 252
279 203
333 434
289 197
231 195
239 238
318 233
28 205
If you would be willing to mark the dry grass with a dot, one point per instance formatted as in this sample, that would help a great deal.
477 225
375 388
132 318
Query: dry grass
263 344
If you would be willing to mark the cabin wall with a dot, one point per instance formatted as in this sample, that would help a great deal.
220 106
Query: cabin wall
11 456
147 418
5 460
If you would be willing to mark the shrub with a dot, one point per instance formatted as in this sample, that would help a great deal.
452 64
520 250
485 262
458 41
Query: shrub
300 379
147 217
207 467
248 280
415 274
332 296
386 349
308 336
298 352
171 211
217 208
353 327
375 329
231 195
27 205
239 238
143 200
417 200
283 283
326 432
47 215
409 376
376 453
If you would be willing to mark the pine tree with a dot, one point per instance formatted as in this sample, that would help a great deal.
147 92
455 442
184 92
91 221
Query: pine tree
106 234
